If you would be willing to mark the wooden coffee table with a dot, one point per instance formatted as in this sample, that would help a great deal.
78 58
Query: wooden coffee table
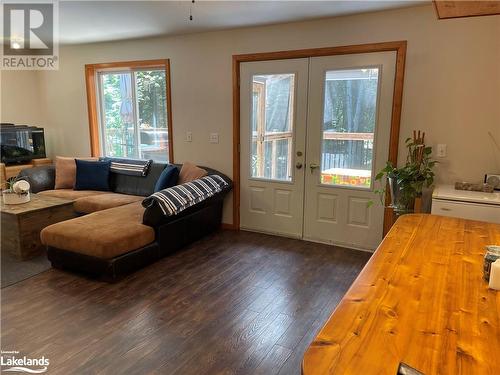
22 223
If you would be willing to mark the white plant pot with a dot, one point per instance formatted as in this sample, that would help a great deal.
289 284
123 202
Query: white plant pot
9 197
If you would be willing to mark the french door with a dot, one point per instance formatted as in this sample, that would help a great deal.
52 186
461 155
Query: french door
314 131
273 136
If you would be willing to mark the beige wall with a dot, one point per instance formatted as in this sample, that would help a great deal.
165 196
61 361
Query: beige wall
20 97
452 83
23 101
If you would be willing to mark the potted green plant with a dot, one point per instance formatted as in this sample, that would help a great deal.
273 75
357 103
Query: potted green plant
407 182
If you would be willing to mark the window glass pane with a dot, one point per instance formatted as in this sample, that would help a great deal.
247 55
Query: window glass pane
118 116
134 114
349 126
272 126
152 114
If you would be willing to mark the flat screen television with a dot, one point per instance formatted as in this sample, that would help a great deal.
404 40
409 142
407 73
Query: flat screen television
21 143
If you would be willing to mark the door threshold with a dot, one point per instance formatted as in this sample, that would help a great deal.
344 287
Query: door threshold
297 237
280 234
339 244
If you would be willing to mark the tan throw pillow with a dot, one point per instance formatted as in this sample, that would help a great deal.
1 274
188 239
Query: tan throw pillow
66 172
190 172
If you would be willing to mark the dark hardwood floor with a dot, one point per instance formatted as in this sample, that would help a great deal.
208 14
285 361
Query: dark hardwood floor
232 303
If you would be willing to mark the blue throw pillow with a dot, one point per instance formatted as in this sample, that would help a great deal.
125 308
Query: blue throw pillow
168 178
92 175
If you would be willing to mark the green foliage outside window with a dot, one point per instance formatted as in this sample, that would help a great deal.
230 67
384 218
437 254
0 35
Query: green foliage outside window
151 97
150 107
350 105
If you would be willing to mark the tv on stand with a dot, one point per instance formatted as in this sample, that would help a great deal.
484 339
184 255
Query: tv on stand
21 143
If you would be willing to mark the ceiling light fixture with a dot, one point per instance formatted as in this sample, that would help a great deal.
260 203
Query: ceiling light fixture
16 42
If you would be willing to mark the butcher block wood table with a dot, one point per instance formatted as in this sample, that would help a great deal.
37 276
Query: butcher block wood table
22 223
420 300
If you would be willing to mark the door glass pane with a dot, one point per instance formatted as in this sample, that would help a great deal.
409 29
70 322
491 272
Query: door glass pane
272 126
282 159
350 109
268 156
134 114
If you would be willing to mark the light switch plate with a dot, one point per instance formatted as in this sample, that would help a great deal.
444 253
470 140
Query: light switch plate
189 137
441 150
214 138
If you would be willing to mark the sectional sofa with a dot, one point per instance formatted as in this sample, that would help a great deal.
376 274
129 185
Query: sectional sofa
114 234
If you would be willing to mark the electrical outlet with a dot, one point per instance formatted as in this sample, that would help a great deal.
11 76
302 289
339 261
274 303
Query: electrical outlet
214 138
189 137
441 150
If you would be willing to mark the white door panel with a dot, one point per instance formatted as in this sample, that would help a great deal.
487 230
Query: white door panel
273 112
355 90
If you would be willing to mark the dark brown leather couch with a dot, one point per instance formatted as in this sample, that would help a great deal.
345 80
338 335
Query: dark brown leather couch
116 235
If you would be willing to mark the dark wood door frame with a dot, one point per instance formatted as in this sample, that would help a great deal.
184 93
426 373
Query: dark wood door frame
398 46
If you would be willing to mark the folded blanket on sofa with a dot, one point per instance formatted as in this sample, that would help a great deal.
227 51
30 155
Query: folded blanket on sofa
130 167
176 199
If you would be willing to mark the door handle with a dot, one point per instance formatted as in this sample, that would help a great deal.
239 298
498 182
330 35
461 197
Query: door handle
298 165
313 166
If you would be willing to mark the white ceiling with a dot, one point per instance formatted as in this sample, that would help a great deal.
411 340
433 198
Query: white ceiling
98 21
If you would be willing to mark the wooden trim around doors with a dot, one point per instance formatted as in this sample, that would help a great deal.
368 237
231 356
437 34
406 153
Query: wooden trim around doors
398 46
90 82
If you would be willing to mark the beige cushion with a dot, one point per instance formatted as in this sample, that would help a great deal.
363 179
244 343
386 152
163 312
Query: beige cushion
103 234
71 194
100 202
190 172
66 172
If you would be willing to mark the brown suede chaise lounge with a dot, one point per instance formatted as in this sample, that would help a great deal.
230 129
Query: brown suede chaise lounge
115 234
